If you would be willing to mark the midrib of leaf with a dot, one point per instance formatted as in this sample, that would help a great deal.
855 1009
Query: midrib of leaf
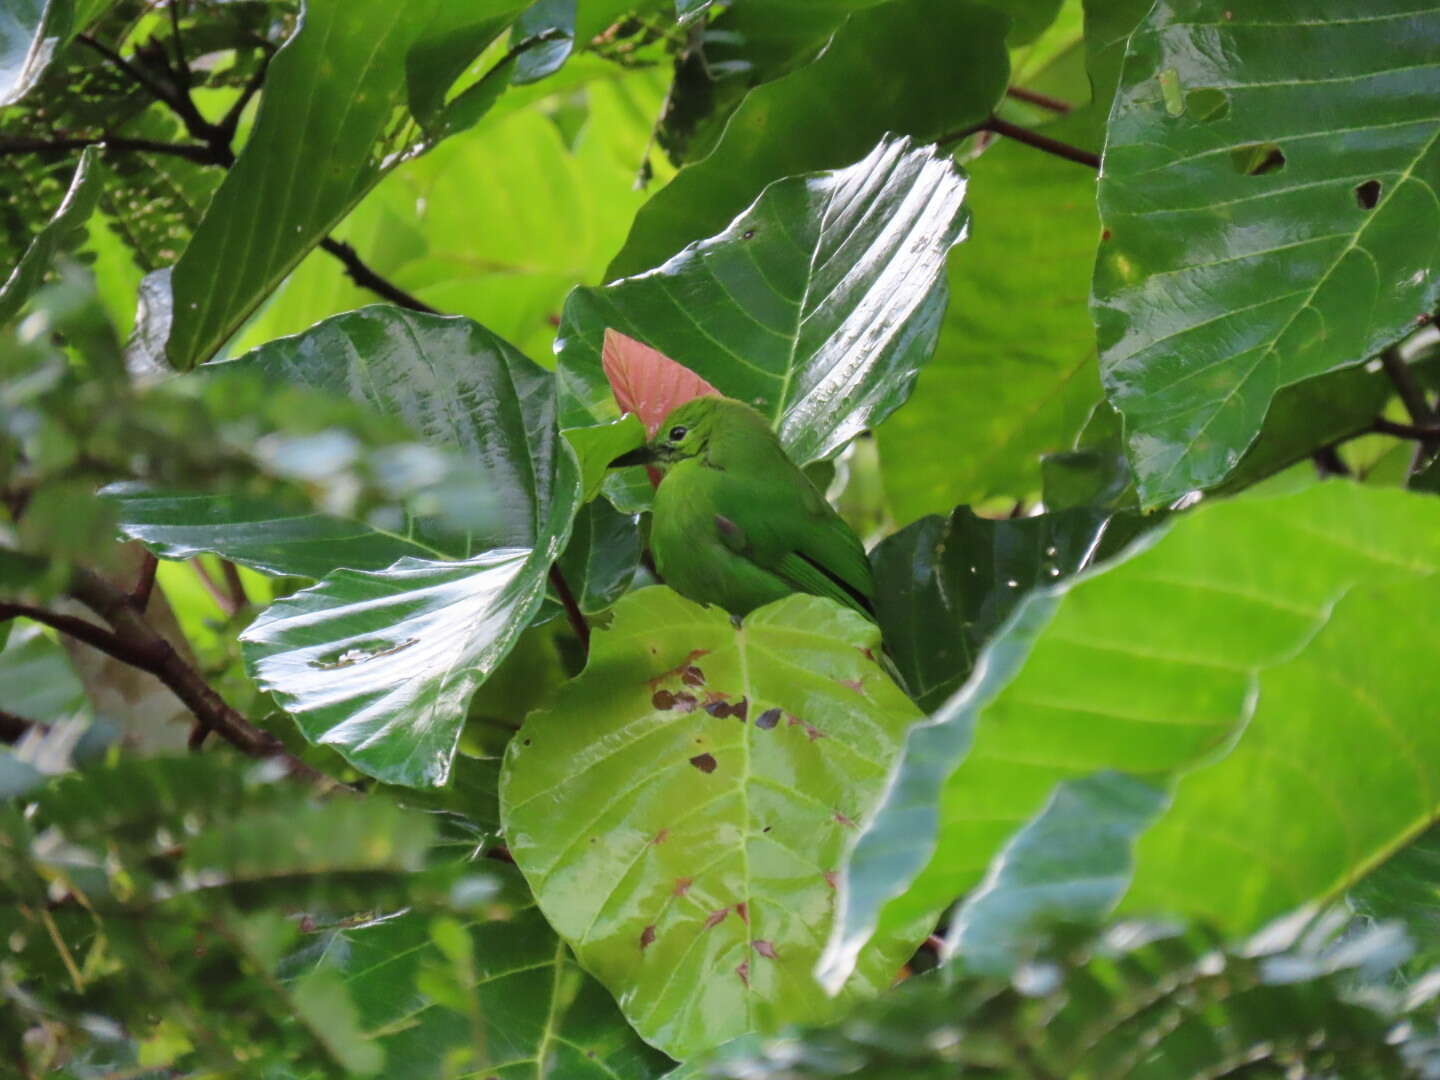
1308 303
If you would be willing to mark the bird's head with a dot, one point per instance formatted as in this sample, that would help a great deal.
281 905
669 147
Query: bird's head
691 430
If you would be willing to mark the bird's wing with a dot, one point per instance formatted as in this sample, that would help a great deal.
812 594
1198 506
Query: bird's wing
801 540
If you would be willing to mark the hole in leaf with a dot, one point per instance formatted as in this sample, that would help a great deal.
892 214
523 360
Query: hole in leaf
704 762
1368 194
1257 159
1207 105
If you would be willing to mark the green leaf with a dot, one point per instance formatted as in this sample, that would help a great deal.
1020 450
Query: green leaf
602 556
954 70
1013 376
32 32
1071 863
1298 218
325 133
1343 730
554 22
504 998
64 231
680 809
944 586
461 389
271 534
818 304
39 683
600 444
1073 684
323 1005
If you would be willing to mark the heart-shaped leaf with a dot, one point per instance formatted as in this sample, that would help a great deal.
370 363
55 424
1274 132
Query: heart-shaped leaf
1266 223
817 305
682 808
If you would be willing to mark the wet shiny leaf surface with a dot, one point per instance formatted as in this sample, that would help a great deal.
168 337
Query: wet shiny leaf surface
817 305
954 68
1071 686
1270 195
681 809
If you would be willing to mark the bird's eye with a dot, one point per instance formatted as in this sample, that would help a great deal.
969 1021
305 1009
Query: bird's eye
677 433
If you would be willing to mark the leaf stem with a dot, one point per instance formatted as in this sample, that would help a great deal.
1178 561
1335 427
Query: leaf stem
1034 97
572 609
366 278
997 126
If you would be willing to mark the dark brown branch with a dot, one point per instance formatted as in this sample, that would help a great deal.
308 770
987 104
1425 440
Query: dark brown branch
1422 432
236 587
366 278
996 126
1416 403
231 120
572 609
1042 142
1328 462
133 641
145 583
199 153
123 65
1034 97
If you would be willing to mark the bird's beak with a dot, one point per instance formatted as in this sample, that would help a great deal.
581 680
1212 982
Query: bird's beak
641 455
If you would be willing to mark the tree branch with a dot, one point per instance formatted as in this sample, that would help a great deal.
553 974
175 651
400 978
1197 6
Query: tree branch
996 126
145 583
572 609
133 641
366 278
1042 142
1034 97
1422 432
199 153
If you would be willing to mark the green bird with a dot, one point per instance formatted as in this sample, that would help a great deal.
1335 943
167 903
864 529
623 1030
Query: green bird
736 523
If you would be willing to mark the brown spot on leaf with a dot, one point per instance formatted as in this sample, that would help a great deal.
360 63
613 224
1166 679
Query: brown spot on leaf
692 676
744 972
715 918
814 732
765 949
832 878
661 836
704 762
646 937
743 910
718 708
682 885
741 709
843 820
858 685
868 655
793 720
768 719
685 702
663 699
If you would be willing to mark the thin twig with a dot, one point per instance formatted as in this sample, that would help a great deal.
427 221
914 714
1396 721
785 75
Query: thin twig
123 65
145 583
1042 142
1328 462
572 609
223 600
1422 432
182 69
366 278
236 587
1417 404
231 120
199 153
1034 97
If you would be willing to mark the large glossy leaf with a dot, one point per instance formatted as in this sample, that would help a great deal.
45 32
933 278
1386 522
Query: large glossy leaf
817 304
944 586
1338 768
479 250
1269 220
63 231
1145 666
492 995
681 809
927 71
1071 864
327 130
1013 376
380 663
